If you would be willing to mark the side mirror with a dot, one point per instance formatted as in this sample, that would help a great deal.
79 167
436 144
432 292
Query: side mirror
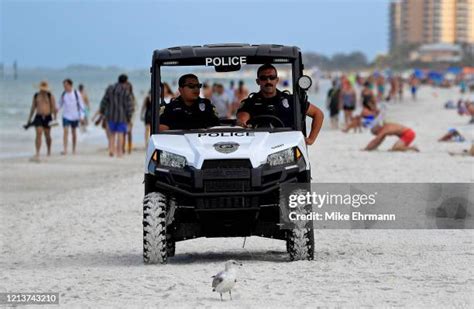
305 82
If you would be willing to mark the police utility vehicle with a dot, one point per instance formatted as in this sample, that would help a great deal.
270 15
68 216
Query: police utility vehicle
224 181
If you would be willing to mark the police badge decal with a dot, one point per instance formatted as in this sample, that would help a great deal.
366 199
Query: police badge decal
226 147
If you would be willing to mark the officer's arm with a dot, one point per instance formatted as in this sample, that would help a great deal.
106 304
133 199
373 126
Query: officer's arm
316 124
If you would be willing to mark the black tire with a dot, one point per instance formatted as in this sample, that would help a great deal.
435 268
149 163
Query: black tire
155 248
300 244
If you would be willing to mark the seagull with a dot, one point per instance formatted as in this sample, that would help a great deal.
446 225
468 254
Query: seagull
226 279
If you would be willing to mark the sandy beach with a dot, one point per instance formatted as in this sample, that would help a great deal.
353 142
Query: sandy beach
73 225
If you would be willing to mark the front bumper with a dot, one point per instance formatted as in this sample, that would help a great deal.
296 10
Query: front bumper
219 178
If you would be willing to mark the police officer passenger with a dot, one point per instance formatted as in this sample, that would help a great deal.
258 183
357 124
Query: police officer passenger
271 101
188 111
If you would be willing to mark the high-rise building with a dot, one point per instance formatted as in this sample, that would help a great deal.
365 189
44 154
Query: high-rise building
395 23
431 21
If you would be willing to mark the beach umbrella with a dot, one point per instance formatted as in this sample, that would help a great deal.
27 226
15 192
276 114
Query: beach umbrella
435 76
419 73
454 70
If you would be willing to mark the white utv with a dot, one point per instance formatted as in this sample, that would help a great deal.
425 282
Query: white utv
224 181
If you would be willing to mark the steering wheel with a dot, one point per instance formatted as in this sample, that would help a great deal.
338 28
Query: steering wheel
266 121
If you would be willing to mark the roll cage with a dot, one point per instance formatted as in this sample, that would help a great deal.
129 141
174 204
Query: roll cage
225 58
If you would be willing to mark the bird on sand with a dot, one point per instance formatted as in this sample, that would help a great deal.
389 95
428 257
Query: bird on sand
225 280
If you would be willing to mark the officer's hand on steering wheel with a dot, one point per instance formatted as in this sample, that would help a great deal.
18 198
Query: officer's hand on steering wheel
266 121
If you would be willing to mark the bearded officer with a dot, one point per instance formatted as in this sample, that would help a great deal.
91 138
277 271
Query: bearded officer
188 111
271 101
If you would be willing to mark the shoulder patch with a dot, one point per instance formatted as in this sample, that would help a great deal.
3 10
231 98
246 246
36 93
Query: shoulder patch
202 106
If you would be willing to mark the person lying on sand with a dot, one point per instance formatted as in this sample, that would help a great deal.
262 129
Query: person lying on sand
453 135
405 134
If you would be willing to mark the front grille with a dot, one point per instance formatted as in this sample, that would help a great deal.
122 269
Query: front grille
231 163
225 185
226 175
224 202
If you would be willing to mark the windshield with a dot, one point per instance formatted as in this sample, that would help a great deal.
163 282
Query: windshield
225 88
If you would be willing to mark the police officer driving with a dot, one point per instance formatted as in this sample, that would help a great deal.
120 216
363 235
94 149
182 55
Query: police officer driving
271 102
188 111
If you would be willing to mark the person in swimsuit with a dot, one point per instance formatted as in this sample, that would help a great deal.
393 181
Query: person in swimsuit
405 134
380 81
414 83
87 107
44 109
332 104
369 110
347 97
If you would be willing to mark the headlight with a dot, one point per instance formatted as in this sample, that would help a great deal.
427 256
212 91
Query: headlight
171 160
286 156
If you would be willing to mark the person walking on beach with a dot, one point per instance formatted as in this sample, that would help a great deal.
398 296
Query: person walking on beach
405 134
392 94
117 107
146 116
400 88
44 109
73 109
128 145
332 103
347 98
414 83
380 82
87 107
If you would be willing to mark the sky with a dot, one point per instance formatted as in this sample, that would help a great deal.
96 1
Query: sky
124 33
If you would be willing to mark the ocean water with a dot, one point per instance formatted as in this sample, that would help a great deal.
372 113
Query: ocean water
16 98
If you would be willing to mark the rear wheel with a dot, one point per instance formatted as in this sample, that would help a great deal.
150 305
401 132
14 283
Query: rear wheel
155 243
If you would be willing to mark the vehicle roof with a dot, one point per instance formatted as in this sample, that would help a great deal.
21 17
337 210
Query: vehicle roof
221 50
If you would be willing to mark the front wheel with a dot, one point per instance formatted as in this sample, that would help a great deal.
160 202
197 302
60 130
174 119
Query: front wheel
155 248
300 244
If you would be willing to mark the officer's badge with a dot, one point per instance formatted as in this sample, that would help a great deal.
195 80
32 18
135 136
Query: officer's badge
202 107
284 102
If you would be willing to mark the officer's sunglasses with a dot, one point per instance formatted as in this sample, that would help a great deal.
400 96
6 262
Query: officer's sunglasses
267 77
193 86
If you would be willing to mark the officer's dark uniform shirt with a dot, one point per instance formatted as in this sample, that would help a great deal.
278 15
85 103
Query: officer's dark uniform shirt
281 106
178 116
